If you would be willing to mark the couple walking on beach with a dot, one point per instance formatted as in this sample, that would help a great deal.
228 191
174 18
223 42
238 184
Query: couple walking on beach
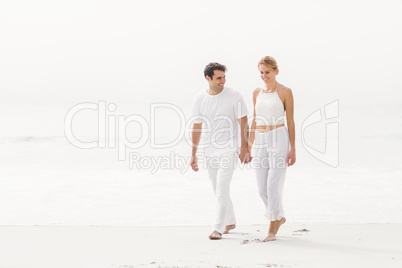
269 144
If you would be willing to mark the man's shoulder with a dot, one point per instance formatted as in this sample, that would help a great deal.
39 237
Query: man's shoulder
232 92
201 94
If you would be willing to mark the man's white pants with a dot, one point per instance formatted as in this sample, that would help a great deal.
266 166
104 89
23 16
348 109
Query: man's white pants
220 170
270 152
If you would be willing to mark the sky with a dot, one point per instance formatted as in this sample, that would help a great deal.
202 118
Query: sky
57 54
134 52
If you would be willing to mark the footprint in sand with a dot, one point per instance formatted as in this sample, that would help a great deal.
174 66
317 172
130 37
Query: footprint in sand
252 241
302 231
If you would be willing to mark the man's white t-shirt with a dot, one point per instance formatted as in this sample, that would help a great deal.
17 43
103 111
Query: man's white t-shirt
218 115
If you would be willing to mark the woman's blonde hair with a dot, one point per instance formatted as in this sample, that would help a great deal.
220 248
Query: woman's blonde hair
269 62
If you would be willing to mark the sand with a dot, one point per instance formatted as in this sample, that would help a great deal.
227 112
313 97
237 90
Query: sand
364 245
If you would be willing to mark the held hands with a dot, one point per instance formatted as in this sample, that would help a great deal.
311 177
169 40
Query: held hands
194 162
245 156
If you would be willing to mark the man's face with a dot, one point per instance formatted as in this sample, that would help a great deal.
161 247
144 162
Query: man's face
217 81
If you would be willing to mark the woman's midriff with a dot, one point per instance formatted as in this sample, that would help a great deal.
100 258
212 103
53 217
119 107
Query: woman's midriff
267 128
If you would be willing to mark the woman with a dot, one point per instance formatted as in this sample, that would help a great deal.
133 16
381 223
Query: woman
273 144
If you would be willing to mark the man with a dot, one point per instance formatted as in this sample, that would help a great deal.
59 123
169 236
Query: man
219 108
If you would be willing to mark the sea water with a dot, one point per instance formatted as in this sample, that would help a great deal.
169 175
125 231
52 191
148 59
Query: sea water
47 180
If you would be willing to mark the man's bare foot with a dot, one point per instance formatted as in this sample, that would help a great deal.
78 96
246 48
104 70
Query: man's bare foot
215 236
278 224
229 227
270 237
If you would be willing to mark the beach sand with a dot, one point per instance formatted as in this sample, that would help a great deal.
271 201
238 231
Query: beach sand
359 245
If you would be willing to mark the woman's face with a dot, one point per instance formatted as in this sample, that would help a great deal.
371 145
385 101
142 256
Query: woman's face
268 75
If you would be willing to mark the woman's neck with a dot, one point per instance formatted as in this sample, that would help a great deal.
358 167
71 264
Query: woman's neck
271 86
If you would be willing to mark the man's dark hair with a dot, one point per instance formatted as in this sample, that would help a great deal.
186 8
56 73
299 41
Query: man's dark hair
211 67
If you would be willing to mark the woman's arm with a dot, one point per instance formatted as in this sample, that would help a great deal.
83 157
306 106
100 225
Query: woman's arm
253 124
289 107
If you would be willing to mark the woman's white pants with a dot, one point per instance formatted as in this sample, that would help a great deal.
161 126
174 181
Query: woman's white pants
220 171
270 152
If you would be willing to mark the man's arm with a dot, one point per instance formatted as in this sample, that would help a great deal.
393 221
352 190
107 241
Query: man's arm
195 137
244 153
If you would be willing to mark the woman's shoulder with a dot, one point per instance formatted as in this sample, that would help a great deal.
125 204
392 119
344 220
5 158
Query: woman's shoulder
256 91
284 91
285 94
284 88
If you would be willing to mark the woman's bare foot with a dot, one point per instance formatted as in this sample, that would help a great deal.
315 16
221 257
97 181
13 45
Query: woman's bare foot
229 227
215 236
278 224
270 237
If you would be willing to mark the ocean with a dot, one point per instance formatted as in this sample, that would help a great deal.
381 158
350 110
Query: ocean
347 169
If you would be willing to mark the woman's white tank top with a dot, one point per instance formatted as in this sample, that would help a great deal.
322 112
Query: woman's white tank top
269 109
